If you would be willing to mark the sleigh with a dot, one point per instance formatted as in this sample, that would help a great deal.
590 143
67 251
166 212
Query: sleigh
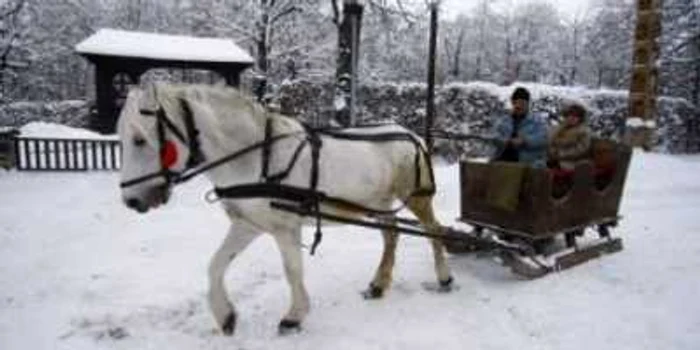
550 213
536 221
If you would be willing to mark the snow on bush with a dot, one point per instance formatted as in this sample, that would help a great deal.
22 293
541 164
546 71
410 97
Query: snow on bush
473 108
463 108
72 113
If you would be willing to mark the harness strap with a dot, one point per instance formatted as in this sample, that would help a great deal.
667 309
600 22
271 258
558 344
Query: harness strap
163 173
196 155
194 172
169 124
277 178
316 144
299 195
266 149
161 119
265 190
267 155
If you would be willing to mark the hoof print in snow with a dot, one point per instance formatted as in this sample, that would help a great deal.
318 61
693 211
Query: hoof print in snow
116 333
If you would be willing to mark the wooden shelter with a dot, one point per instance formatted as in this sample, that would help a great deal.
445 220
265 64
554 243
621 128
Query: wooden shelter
122 57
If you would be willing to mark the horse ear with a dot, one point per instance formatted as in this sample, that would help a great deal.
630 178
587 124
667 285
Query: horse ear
149 98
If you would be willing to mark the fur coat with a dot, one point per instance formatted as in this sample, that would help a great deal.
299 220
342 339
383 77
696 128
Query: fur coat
567 145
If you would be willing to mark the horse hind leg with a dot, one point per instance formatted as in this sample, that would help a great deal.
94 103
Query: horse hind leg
422 207
237 239
383 275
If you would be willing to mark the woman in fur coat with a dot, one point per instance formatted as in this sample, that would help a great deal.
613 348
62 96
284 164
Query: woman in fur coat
570 142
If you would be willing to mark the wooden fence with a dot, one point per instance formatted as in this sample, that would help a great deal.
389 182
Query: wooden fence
52 154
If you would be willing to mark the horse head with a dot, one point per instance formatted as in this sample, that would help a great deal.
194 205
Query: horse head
154 147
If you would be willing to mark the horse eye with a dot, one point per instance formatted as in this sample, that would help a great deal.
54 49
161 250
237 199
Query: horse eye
139 142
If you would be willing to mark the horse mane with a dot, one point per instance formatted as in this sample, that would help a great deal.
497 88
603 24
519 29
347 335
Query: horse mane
232 99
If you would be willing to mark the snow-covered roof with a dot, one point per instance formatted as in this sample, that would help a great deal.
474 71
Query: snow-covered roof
113 42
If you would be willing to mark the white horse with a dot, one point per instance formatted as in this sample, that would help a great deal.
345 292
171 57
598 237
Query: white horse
163 126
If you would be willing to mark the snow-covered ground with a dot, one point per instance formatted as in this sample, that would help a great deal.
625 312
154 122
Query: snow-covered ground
79 271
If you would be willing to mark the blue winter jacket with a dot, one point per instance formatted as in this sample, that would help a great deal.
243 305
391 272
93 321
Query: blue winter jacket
533 131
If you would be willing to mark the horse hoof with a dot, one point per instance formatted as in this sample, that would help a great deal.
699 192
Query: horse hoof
446 285
289 326
447 282
229 324
373 292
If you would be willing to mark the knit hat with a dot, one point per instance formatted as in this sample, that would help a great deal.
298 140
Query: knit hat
520 93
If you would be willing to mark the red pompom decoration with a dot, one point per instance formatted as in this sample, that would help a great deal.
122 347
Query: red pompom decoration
168 155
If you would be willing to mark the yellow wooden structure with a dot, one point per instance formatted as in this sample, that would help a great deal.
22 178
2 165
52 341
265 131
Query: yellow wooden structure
641 120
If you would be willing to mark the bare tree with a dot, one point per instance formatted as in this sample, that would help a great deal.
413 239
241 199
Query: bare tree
608 47
11 32
680 49
575 30
453 37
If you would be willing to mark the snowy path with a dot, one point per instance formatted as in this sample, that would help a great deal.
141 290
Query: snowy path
78 271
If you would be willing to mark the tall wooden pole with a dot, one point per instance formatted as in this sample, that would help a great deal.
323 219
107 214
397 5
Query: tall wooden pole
430 109
642 101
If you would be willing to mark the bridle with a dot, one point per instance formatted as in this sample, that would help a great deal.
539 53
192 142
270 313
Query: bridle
194 165
163 126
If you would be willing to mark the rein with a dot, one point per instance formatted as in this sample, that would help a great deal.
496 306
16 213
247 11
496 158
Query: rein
188 174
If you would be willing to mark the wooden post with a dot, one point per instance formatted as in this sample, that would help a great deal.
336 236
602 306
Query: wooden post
430 109
642 98
105 119
348 58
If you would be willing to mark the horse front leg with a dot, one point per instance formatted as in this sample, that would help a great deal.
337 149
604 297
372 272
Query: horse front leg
289 243
383 275
422 207
237 239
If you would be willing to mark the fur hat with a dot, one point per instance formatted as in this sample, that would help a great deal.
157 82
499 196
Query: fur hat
577 109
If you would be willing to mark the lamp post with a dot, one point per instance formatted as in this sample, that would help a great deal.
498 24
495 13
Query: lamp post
432 48
345 101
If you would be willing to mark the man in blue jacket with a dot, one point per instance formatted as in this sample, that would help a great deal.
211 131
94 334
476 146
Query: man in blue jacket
523 137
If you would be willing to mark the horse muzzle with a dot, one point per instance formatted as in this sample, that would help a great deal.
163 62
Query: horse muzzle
153 198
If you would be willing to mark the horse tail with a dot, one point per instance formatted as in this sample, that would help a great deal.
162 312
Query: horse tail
425 176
